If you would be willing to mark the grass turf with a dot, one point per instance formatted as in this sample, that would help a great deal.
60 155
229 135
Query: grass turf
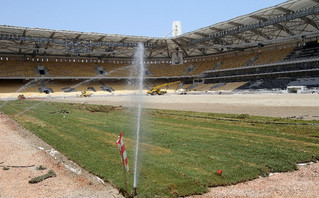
180 151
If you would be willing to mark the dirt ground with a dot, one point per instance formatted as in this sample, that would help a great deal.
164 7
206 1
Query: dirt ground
273 105
301 183
19 147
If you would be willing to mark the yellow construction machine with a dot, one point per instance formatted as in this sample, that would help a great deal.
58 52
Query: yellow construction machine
157 89
85 94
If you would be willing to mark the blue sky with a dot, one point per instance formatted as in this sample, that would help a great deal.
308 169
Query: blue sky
128 17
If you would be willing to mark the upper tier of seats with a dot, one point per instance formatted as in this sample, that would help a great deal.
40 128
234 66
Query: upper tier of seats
69 67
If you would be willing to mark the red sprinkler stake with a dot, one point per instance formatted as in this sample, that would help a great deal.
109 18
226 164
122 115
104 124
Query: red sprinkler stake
220 172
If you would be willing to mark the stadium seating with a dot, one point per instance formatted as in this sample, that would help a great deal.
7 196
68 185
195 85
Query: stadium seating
308 50
273 55
166 69
88 68
9 86
205 65
236 60
229 86
70 69
74 68
266 84
203 87
214 86
14 68
117 70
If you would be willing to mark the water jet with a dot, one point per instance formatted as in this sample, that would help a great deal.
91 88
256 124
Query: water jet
138 72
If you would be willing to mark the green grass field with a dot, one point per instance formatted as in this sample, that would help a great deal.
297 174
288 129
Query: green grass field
180 151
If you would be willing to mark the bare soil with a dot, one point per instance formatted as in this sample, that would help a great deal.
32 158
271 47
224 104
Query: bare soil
301 183
304 106
20 147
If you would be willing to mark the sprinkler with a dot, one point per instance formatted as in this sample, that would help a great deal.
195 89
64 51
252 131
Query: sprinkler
134 192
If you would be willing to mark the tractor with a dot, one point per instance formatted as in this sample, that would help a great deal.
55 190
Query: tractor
156 90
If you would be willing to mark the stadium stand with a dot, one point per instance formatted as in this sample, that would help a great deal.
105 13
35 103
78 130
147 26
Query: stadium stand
268 49
10 86
236 60
309 82
202 66
69 69
83 68
230 86
166 69
204 87
117 70
266 84
273 55
14 68
310 49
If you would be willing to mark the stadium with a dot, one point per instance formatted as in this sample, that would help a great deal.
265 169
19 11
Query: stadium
222 105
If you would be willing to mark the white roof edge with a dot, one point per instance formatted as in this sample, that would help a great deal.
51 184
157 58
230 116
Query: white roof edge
239 17
78 32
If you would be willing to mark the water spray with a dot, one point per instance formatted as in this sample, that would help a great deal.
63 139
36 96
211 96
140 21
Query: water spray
139 66
83 82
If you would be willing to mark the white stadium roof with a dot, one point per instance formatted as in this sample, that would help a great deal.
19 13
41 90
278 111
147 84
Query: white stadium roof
285 22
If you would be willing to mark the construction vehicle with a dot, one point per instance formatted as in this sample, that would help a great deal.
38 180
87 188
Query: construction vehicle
85 94
157 89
